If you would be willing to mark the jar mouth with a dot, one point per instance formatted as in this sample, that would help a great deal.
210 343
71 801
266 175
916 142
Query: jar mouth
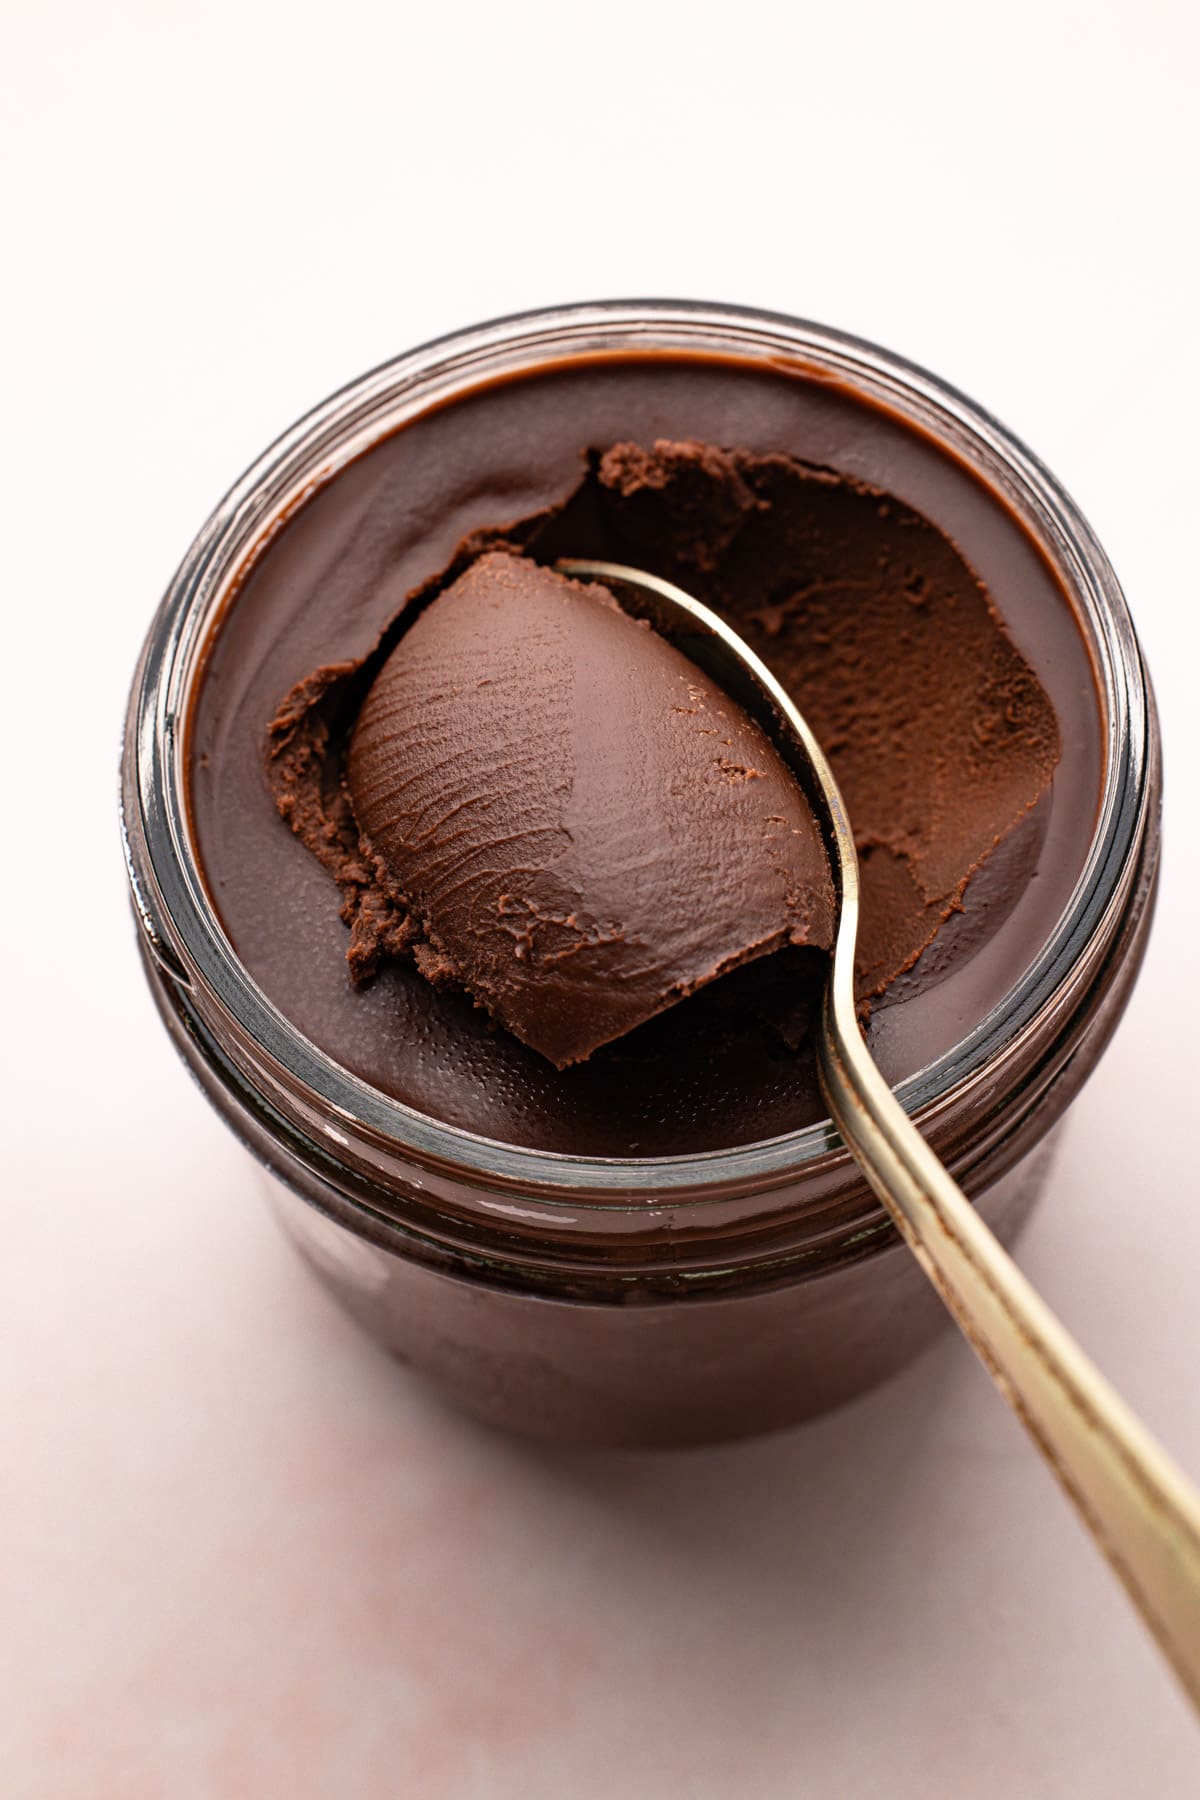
183 927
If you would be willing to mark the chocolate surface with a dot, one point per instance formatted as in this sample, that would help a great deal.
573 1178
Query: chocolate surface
791 551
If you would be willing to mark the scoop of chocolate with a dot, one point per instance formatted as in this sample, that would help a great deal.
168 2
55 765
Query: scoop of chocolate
571 821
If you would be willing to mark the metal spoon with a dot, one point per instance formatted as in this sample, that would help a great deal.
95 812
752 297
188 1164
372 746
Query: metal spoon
1132 1497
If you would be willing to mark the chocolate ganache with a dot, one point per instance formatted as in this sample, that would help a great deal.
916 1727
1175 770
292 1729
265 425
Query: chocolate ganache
423 623
566 817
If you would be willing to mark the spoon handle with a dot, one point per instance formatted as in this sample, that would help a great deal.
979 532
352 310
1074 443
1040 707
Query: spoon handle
1136 1502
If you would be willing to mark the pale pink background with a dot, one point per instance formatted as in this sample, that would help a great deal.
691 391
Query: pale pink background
240 1553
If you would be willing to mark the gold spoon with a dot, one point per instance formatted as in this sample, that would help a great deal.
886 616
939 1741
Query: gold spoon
1136 1502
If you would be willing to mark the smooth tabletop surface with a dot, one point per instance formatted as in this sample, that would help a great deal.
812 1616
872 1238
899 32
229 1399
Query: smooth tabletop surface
241 1554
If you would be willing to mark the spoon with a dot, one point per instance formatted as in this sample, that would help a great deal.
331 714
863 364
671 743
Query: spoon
1135 1501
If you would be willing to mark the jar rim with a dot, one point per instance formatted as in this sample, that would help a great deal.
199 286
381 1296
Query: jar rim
181 923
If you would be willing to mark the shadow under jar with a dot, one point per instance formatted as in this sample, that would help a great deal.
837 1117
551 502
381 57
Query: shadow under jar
672 1246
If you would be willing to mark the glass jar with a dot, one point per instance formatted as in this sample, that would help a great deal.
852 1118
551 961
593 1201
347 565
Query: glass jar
631 1300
